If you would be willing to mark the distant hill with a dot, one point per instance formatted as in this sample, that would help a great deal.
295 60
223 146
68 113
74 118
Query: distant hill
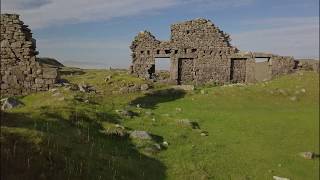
51 62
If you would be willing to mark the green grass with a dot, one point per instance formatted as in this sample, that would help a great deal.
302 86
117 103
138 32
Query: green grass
254 131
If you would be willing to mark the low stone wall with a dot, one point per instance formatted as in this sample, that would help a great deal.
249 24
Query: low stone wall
21 74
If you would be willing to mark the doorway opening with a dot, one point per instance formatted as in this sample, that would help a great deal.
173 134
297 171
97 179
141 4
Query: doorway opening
238 70
162 68
262 69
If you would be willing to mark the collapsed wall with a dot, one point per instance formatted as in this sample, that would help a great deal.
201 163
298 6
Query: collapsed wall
20 72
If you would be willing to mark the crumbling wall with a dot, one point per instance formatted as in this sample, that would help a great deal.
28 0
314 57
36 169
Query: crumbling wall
143 48
199 52
20 72
282 65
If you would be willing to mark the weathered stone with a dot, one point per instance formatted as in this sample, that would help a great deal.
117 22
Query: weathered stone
188 123
279 178
10 103
144 87
201 53
184 87
143 135
20 72
307 155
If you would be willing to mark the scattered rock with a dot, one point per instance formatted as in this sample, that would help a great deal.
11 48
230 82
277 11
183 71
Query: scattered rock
108 78
138 105
293 98
86 88
127 113
10 103
165 144
152 149
53 90
131 88
204 133
184 87
307 155
303 90
279 178
157 146
143 135
188 123
144 87
178 109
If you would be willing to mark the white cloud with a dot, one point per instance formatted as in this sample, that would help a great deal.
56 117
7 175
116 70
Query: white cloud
56 12
298 37
44 13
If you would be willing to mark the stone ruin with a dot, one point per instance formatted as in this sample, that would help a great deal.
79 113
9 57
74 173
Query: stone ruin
200 53
21 74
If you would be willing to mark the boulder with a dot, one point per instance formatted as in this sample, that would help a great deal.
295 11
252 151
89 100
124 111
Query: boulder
188 123
184 87
82 87
10 103
307 155
144 87
279 178
127 113
143 135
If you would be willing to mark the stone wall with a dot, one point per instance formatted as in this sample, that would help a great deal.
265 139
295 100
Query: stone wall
200 52
20 72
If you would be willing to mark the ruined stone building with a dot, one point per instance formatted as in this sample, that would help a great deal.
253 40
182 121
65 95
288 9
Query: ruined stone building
200 52
20 72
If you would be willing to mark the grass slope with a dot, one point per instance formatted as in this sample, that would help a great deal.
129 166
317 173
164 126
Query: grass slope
254 131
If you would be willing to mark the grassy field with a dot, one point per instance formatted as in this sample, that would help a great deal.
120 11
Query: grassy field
254 131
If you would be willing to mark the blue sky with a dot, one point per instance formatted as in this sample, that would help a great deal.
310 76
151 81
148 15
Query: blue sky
97 33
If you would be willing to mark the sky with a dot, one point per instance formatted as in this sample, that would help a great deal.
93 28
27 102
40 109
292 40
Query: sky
98 33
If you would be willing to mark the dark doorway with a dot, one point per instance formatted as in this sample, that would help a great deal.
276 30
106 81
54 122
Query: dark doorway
238 70
151 71
185 70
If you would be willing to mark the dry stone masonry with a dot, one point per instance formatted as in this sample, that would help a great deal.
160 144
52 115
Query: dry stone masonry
200 52
20 72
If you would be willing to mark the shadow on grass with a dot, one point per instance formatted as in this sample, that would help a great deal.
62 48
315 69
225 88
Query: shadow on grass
52 146
152 99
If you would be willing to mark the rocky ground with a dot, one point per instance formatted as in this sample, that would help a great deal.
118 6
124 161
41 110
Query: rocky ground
105 124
